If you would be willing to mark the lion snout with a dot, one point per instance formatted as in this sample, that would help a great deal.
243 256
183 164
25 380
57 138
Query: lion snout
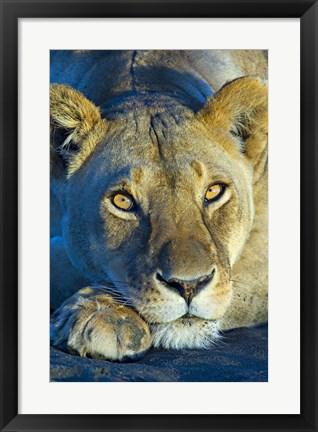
185 287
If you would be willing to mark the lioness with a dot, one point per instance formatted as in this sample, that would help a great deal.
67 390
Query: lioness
159 198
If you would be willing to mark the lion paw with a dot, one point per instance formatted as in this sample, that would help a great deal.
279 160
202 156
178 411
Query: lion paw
96 326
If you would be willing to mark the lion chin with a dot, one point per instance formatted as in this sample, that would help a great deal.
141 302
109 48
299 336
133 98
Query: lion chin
185 332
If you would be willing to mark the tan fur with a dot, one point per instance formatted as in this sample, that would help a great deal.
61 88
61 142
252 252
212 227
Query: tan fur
242 108
166 166
252 62
70 110
94 324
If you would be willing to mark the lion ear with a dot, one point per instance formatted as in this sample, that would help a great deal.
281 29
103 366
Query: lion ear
72 119
240 107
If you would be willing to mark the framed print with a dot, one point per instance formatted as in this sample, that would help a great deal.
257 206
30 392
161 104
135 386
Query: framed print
139 141
154 297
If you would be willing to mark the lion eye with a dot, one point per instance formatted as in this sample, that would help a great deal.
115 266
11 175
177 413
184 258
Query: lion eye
214 192
123 202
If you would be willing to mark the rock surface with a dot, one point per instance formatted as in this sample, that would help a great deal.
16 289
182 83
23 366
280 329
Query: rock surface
240 356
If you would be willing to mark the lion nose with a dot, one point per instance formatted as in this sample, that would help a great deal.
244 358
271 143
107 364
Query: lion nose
187 288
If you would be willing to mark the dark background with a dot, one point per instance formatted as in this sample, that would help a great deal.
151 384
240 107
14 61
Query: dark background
240 356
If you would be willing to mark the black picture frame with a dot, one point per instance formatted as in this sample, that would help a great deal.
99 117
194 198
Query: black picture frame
11 11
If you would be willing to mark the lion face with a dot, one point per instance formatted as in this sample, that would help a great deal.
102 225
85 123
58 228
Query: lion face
162 208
